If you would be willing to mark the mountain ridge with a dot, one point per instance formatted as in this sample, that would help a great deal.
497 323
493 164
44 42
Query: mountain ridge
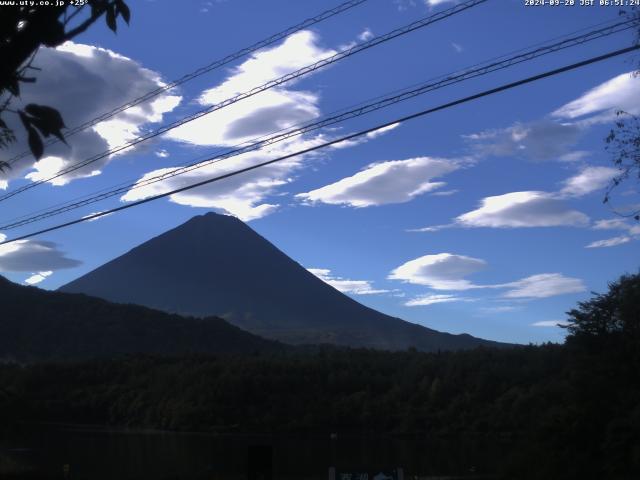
42 325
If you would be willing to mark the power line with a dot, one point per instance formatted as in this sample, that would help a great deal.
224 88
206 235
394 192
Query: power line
202 70
413 116
254 91
362 109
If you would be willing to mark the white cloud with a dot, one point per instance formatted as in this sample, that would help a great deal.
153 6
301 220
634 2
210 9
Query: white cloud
403 5
366 34
610 242
542 286
33 256
354 287
632 232
433 3
611 224
426 300
522 209
50 166
541 140
446 271
97 218
589 180
241 195
433 228
534 208
443 271
245 195
269 111
262 114
162 153
395 181
458 48
75 85
38 277
619 93
383 130
553 138
444 193
574 156
550 323
634 229
364 139
500 309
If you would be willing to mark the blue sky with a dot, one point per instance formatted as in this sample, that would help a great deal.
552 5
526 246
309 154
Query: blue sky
485 218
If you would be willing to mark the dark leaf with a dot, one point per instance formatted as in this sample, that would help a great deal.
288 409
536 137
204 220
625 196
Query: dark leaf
48 120
27 79
50 115
3 124
4 166
123 9
97 7
111 18
42 126
35 143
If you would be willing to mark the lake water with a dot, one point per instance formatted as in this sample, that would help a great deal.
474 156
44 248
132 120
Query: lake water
103 454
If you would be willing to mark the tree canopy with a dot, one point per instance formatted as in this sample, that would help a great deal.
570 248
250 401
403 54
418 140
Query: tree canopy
615 313
623 141
23 30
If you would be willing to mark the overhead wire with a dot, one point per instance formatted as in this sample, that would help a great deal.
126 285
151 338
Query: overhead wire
352 136
309 22
340 116
458 8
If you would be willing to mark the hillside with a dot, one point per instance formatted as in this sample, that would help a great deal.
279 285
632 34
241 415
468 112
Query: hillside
39 325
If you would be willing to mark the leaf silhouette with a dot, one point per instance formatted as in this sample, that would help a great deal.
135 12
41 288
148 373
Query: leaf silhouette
35 142
123 9
111 18
48 120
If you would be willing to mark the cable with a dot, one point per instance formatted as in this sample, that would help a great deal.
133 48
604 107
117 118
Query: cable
202 70
362 109
413 116
254 91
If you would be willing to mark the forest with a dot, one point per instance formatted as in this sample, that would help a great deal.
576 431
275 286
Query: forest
39 325
552 411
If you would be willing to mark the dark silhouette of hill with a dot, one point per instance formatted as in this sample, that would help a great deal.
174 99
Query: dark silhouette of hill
216 265
40 325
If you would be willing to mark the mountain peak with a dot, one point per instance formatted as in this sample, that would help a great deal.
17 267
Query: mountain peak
217 265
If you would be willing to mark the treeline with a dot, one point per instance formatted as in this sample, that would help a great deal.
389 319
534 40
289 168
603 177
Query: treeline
572 410
553 411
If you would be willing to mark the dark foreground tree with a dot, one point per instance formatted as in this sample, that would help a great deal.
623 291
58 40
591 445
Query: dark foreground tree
623 141
611 315
23 30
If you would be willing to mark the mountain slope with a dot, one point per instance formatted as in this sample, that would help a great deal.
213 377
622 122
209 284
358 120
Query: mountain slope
216 265
41 325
